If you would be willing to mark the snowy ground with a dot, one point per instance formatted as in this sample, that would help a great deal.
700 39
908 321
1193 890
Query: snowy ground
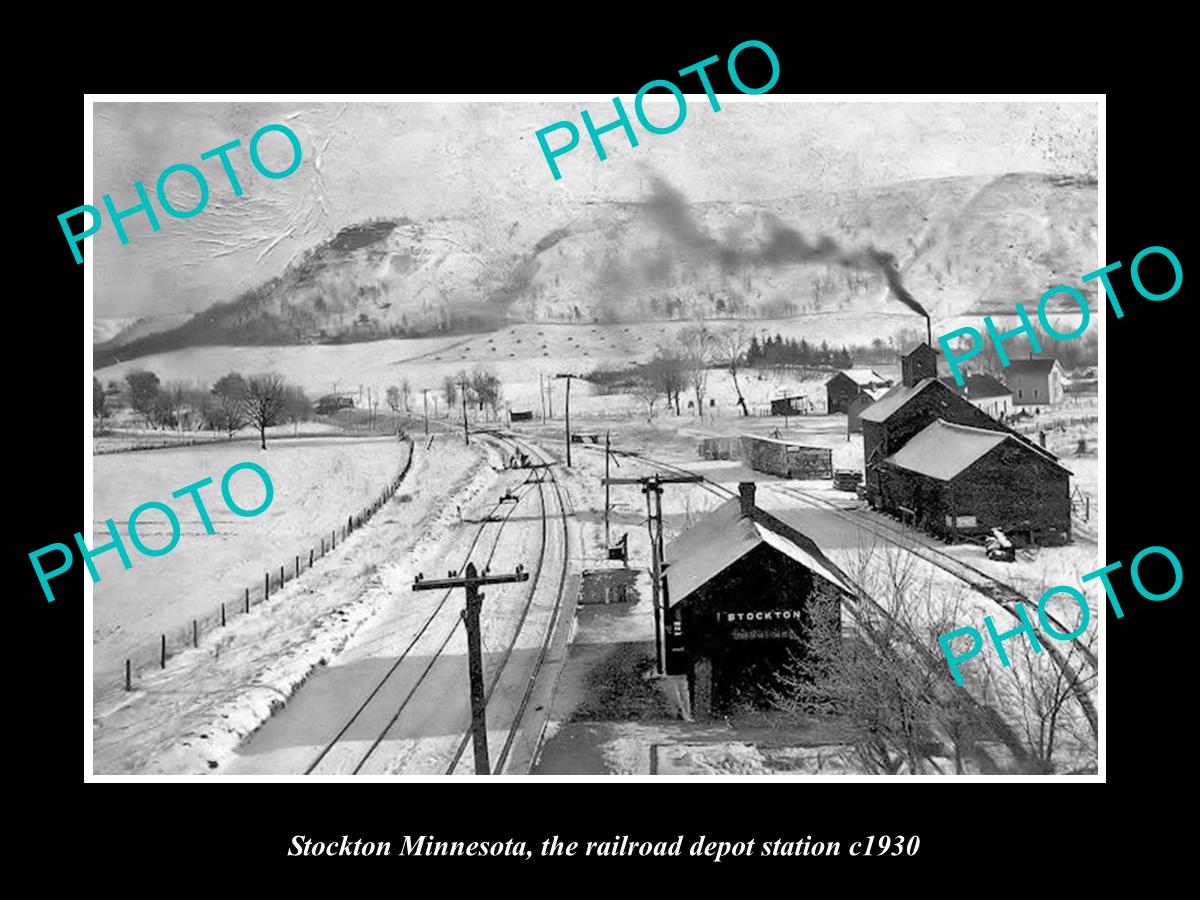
318 483
190 717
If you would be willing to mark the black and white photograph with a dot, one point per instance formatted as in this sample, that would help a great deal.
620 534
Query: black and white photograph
426 444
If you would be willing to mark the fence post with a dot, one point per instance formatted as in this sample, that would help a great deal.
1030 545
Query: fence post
322 546
128 677
350 524
310 557
222 615
333 539
162 659
266 585
247 599
297 566
195 635
281 576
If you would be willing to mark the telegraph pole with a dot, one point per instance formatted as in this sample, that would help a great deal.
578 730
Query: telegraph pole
568 415
652 488
470 616
462 391
425 399
542 395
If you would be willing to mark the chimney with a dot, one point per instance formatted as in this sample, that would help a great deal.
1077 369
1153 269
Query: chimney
746 489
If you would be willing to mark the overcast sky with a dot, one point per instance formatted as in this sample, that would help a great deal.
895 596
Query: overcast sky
482 161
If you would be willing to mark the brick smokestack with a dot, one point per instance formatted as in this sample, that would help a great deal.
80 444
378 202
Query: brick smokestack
746 489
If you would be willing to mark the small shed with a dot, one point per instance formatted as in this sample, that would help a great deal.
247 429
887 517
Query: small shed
847 384
791 406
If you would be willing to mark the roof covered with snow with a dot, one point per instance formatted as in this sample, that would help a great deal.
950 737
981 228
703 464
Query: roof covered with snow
942 450
881 409
978 386
861 377
1032 366
710 546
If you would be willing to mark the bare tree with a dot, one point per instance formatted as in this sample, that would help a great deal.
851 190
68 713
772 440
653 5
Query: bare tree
878 675
730 346
450 391
406 394
697 344
1038 694
668 371
229 394
485 385
647 390
393 398
265 403
99 403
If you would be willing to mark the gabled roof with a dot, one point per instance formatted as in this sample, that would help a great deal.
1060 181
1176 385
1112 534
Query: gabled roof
978 386
1032 366
943 450
708 547
881 409
862 377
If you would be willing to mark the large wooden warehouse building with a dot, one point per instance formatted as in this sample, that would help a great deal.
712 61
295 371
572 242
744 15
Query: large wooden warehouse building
958 481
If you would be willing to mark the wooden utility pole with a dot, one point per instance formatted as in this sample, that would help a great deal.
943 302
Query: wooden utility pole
462 392
652 488
542 395
568 415
470 615
425 400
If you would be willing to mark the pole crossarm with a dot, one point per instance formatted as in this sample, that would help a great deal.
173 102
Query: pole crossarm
433 584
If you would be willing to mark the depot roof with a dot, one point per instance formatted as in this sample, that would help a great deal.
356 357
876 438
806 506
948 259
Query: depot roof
710 546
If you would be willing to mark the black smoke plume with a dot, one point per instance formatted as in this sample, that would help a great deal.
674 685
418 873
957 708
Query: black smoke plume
667 208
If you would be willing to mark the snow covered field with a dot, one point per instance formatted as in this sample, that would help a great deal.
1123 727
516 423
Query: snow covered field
190 717
318 483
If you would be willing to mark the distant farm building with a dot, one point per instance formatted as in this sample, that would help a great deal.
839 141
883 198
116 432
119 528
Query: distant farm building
847 384
787 458
331 403
855 409
985 392
957 481
1035 382
520 415
791 406
740 589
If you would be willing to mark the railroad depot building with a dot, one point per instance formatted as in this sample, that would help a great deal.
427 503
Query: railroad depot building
739 589
847 384
957 480
1035 382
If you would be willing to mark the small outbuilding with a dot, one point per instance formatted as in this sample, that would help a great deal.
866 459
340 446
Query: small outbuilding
847 384
855 410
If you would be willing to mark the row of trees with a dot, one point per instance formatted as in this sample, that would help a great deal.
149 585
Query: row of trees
778 351
481 388
232 403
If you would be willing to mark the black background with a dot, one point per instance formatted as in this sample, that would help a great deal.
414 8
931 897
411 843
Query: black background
972 834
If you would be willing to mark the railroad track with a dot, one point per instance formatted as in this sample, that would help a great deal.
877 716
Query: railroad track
1003 595
440 613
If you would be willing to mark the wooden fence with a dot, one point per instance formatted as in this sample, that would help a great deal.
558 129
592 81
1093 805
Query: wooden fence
274 578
